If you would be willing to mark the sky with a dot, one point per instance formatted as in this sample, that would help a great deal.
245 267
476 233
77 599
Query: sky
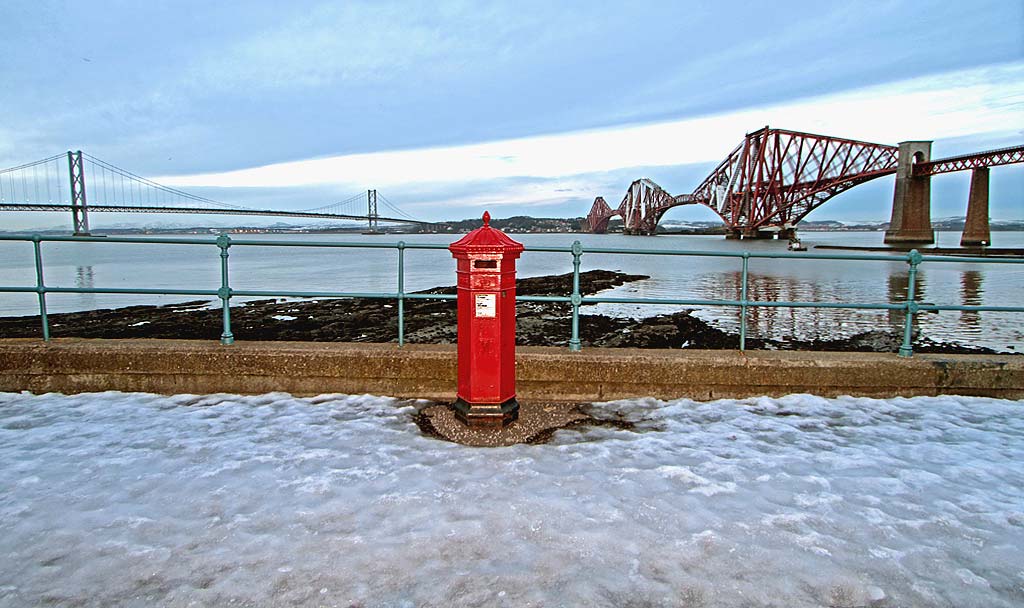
448 108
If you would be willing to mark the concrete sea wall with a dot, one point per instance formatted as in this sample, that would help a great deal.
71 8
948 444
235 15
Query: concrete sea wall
543 374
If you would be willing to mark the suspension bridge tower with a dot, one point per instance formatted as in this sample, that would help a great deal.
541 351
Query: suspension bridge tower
371 212
79 208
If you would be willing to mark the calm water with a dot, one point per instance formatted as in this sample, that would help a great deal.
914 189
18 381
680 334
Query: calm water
197 267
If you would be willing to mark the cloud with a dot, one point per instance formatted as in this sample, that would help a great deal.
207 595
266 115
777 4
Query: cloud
950 105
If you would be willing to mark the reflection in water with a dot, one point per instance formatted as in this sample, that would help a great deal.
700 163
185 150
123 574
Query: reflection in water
970 293
772 322
898 284
897 290
782 323
84 279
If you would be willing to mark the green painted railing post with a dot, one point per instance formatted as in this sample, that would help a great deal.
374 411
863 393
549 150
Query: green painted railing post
575 298
224 293
401 293
907 348
743 302
41 286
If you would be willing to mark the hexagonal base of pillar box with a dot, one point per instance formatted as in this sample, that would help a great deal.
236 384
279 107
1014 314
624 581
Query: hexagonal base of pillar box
486 415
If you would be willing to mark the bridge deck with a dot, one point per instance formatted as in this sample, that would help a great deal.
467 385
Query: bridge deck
204 211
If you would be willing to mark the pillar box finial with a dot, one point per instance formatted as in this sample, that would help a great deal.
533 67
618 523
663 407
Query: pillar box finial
486 273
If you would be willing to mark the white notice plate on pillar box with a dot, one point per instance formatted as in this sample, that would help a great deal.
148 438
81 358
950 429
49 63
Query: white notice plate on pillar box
486 305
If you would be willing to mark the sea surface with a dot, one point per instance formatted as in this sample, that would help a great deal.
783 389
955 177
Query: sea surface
361 270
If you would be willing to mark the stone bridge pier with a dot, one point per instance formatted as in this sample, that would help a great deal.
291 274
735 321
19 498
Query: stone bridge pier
911 202
976 228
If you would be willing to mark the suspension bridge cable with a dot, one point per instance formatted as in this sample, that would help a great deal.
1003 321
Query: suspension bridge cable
140 181
60 183
29 165
395 208
324 208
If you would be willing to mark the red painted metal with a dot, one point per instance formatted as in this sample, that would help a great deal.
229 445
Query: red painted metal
770 181
991 158
600 214
486 272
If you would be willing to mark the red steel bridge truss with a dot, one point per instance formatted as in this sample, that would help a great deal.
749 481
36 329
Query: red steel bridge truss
978 160
770 181
774 178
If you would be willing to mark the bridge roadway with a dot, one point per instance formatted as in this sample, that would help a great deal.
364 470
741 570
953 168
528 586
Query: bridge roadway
206 211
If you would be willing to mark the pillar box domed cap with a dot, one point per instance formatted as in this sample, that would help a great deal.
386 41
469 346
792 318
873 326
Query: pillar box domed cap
485 240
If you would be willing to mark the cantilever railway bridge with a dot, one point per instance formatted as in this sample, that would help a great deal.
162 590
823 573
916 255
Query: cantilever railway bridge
775 177
58 183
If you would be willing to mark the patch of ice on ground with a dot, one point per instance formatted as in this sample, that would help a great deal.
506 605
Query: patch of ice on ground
211 500
284 317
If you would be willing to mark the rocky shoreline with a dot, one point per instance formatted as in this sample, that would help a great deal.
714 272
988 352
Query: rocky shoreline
433 322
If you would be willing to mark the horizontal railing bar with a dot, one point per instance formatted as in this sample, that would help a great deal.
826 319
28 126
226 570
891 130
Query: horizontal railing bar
109 239
938 307
15 289
548 249
965 259
424 245
439 246
543 298
244 293
431 296
339 244
247 242
139 291
600 300
868 306
828 256
563 299
615 250
671 302
749 254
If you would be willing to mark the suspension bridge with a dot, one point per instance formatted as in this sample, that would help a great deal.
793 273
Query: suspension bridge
81 184
775 177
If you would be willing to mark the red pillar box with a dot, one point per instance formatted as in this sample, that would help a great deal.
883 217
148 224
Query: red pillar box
486 259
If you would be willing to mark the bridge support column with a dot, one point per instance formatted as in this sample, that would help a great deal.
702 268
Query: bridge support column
732 235
911 202
976 228
787 233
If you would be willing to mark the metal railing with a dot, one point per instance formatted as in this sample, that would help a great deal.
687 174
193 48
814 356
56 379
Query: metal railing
224 243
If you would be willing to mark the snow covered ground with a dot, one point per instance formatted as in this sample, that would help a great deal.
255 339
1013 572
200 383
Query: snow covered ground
143 500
